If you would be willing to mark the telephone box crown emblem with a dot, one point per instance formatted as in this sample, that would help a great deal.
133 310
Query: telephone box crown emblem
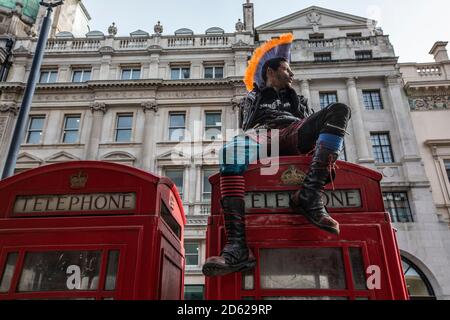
293 177
79 180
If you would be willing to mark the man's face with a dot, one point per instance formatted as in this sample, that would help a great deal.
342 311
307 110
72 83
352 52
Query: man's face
283 77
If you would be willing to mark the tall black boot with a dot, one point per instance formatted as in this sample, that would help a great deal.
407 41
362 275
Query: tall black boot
308 201
236 256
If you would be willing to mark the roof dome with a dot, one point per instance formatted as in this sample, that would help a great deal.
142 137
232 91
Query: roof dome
30 7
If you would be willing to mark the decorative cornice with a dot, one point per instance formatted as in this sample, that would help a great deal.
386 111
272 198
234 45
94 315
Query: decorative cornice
9 108
428 103
98 107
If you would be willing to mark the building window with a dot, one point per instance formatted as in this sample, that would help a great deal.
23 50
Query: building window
71 128
447 168
213 72
327 98
316 36
363 55
35 127
48 76
372 100
322 57
207 189
397 205
419 288
177 177
81 75
131 74
192 253
213 126
354 35
177 126
124 127
382 148
194 292
180 73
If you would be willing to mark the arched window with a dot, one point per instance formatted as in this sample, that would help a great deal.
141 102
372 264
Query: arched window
419 287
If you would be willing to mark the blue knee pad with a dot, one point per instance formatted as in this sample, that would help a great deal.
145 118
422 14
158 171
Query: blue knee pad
237 155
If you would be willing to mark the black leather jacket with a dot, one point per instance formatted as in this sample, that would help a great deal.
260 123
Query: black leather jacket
270 109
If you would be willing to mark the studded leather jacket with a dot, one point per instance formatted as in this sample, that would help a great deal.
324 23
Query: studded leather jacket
269 109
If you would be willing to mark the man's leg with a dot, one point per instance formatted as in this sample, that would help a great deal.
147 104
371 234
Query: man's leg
325 131
236 256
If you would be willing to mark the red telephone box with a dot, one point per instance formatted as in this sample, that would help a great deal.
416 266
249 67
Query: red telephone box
90 230
299 261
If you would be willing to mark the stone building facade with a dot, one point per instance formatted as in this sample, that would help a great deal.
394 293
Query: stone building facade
163 103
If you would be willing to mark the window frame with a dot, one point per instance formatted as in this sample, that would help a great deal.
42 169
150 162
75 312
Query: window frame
206 127
83 72
214 73
117 129
197 255
173 169
132 70
378 134
373 103
49 73
364 55
327 94
180 72
323 56
41 130
393 194
65 130
204 171
170 128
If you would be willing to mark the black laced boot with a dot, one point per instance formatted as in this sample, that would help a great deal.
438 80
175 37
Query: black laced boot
308 201
236 256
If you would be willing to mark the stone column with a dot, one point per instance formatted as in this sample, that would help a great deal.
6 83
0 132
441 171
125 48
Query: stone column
359 132
235 115
306 91
8 114
401 113
148 145
98 112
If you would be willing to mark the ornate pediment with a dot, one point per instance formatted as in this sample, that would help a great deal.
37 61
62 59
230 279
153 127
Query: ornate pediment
314 17
172 155
118 156
26 158
61 157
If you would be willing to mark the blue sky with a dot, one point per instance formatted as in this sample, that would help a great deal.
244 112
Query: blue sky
413 25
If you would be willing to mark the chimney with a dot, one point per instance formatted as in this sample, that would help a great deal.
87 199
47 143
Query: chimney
249 16
439 51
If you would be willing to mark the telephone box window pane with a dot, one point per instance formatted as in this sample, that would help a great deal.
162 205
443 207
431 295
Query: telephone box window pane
8 273
111 274
356 259
309 268
248 281
60 271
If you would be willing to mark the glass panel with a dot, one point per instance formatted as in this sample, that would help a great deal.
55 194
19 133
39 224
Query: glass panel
60 271
207 188
186 73
192 253
177 120
53 77
177 177
447 168
175 74
309 268
176 134
357 262
213 134
209 73
37 123
219 72
125 122
123 136
214 119
126 74
34 137
72 123
87 76
70 137
77 76
111 273
248 281
194 292
136 74
44 77
8 272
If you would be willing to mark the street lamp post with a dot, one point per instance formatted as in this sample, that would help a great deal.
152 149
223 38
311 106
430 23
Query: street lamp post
20 128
